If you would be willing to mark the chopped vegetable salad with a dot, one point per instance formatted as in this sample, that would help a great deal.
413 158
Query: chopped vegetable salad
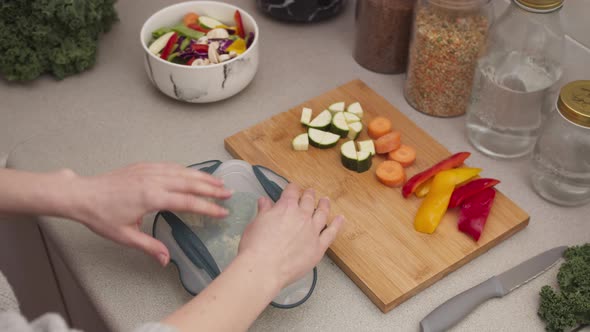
201 41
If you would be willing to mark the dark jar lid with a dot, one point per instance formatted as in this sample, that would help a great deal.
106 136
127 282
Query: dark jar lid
301 10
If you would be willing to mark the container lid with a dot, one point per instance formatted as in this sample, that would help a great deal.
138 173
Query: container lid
540 6
574 102
202 247
460 4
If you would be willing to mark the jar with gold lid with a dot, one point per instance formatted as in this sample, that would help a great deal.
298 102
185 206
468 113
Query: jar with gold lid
516 78
561 157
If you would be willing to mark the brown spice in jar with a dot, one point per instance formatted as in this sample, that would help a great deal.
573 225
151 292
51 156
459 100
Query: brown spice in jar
443 57
383 34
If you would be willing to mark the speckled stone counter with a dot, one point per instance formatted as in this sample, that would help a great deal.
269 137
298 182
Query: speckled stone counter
112 116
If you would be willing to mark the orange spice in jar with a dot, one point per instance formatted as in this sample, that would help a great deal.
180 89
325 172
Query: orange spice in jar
448 37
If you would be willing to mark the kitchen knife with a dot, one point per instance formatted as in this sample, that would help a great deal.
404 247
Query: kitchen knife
451 312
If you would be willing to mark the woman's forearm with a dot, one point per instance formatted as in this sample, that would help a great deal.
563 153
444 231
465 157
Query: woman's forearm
36 193
232 302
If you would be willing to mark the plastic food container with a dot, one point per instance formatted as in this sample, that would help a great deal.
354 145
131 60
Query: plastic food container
202 247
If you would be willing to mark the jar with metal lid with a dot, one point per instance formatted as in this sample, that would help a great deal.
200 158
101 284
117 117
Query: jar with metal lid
516 79
447 38
561 157
383 34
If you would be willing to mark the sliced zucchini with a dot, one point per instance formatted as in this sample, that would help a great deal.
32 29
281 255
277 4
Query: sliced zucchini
306 116
337 107
158 45
364 161
300 142
356 109
339 125
354 129
350 117
348 155
322 139
367 146
358 161
322 121
208 22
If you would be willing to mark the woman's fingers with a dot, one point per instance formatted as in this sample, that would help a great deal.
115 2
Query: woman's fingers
290 195
137 239
321 214
264 204
176 170
329 234
307 201
189 203
200 188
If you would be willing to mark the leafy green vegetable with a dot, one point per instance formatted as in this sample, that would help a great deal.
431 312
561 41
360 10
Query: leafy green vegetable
570 306
51 36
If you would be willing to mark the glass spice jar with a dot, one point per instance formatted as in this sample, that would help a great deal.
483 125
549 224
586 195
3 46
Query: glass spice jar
383 34
515 77
561 157
448 37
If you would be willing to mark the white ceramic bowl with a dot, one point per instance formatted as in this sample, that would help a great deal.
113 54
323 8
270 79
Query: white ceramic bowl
201 84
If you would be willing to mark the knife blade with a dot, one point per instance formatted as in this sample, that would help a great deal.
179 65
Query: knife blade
453 310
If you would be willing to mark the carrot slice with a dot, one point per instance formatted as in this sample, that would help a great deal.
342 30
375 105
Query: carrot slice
378 127
190 18
391 173
405 155
388 142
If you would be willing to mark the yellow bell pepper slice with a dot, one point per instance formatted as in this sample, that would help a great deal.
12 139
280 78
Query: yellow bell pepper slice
423 189
435 204
238 46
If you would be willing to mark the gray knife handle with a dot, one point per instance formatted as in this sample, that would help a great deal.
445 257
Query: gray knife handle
451 312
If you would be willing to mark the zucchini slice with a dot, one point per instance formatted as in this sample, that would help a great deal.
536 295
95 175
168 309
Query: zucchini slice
358 161
337 107
348 155
305 116
368 146
354 129
322 121
364 161
351 117
322 139
356 109
300 142
208 22
339 125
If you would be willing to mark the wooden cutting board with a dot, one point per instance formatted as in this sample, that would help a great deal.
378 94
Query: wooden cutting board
378 247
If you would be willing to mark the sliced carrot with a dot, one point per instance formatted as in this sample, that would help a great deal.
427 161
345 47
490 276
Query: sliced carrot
388 142
378 127
391 173
405 155
190 18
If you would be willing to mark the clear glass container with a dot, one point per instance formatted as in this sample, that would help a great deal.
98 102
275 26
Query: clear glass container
447 39
516 78
383 34
561 156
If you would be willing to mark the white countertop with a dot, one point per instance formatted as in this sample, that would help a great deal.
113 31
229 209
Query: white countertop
112 116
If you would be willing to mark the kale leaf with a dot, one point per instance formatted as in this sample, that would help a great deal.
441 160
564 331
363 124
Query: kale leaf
570 306
51 36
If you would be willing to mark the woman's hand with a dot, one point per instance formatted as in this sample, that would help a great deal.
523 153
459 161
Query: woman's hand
113 204
289 237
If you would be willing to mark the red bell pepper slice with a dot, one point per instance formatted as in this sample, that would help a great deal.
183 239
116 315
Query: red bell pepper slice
240 26
197 27
453 161
201 48
474 212
190 62
469 189
169 46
